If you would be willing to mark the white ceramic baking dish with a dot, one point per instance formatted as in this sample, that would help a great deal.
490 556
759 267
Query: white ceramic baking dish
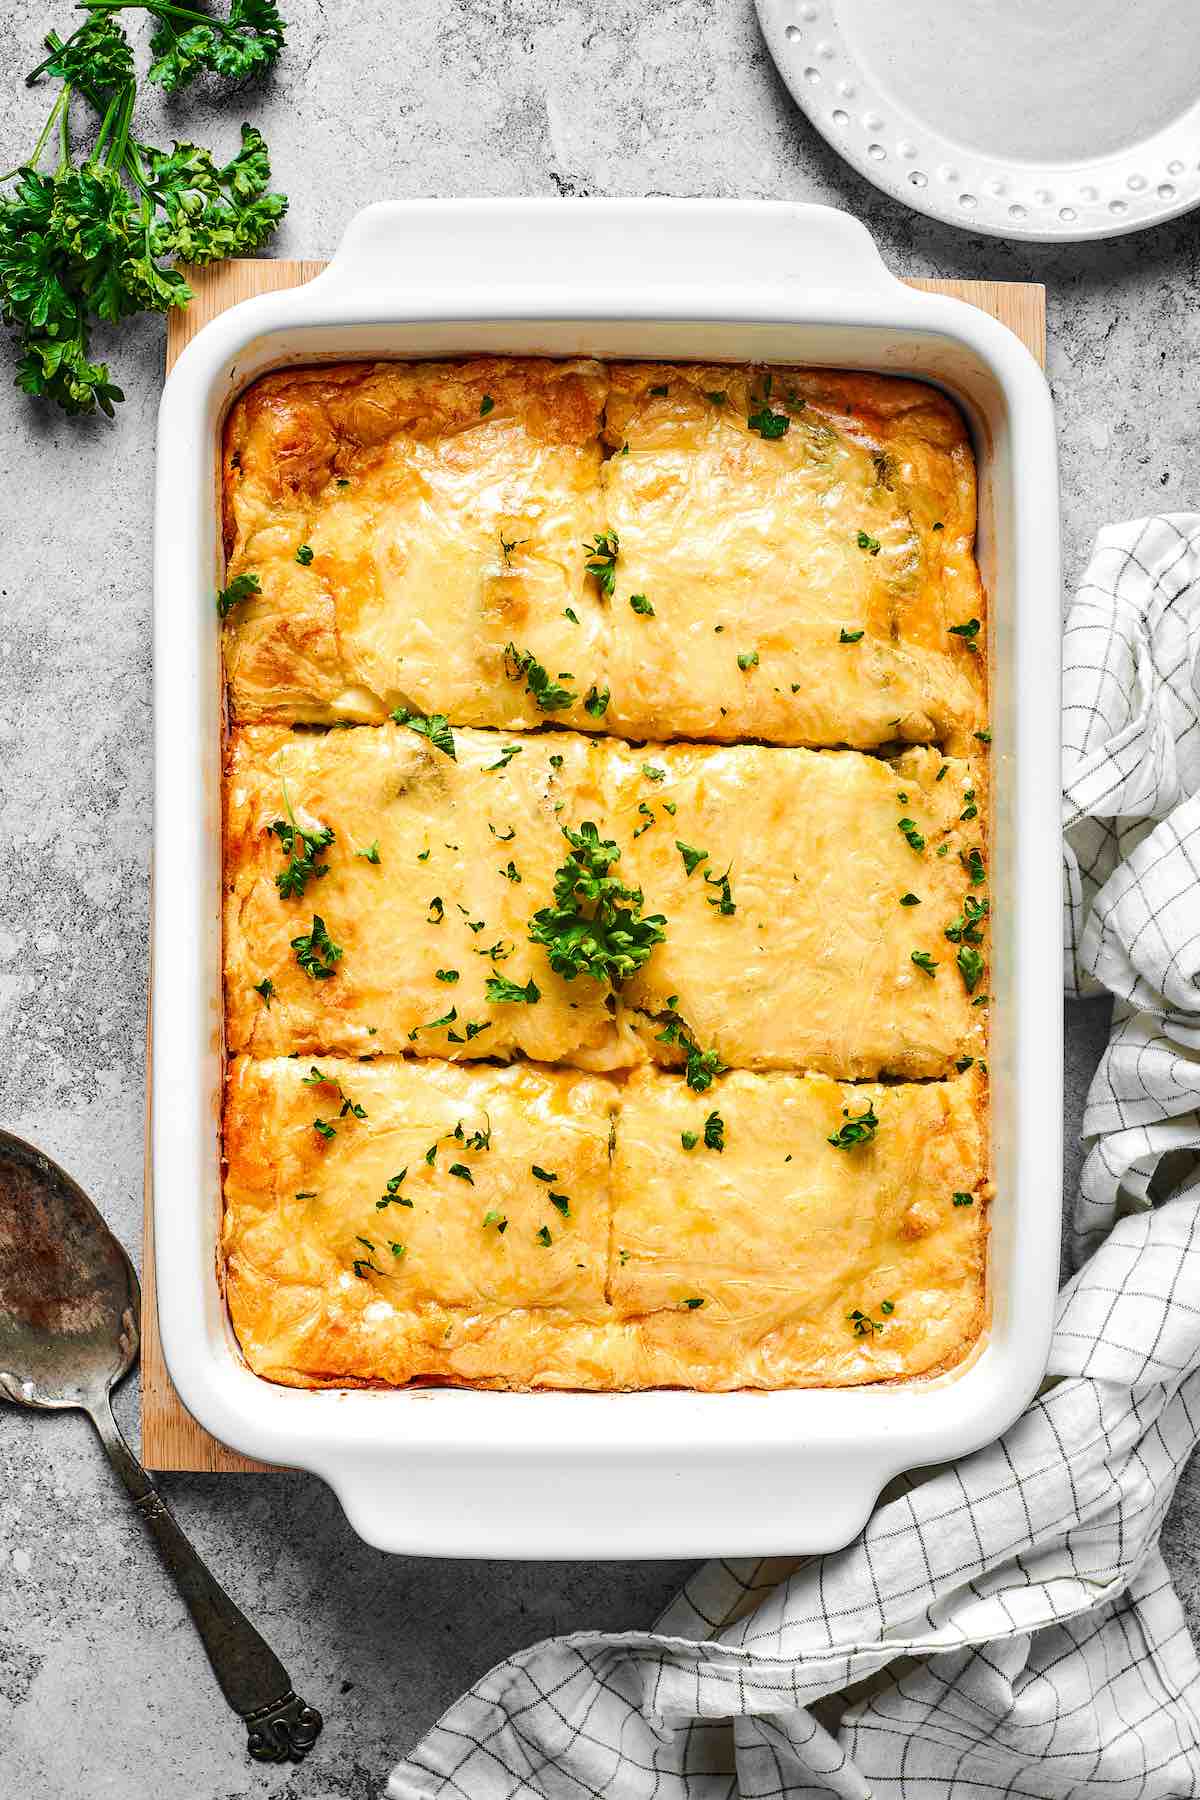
455 1473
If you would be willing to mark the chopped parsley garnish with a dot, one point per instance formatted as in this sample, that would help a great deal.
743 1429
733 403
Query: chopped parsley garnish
718 396
371 853
462 1172
691 858
714 1132
361 1264
431 1155
393 1197
972 862
316 951
497 1219
595 926
242 587
669 806
689 1139
324 1129
505 757
653 774
543 1236
641 606
265 988
767 423
511 872
485 406
723 900
659 392
850 637
502 837
859 1130
305 1194
702 1066
968 927
562 1203
304 555
925 962
499 991
496 951
302 849
970 967
447 975
910 900
964 1063
649 818
970 810
570 613
747 659
937 526
546 694
868 543
691 1303
318 1078
597 701
435 727
984 736
434 1024
507 546
964 1199
968 632
602 561
437 911
397 1249
908 829
864 1325
542 1174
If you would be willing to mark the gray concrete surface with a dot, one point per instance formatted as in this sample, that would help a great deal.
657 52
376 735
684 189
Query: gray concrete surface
102 1687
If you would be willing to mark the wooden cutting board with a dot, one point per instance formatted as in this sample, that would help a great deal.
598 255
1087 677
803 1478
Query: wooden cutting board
171 1438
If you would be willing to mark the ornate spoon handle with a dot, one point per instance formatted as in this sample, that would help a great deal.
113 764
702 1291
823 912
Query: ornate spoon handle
251 1677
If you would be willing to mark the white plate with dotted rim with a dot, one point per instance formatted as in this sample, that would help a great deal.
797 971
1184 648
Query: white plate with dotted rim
1053 120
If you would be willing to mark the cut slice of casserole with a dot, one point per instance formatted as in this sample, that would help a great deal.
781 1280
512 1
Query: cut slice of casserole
806 899
468 1224
650 550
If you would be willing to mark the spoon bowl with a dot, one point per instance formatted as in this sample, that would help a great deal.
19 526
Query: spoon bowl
69 1297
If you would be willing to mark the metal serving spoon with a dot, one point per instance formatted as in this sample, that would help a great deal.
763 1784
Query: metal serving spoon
69 1303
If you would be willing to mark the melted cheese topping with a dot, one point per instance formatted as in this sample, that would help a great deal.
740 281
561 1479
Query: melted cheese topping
812 968
449 508
446 508
430 1178
593 1280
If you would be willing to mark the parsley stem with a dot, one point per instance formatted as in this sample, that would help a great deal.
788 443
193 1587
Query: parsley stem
32 160
160 9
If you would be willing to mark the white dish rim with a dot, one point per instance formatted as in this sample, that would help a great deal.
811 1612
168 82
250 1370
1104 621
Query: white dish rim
453 1472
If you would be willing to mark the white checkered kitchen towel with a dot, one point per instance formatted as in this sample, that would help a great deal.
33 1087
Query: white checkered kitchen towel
1005 1626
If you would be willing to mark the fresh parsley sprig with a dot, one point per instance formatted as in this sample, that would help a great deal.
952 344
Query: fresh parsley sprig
549 695
434 726
596 925
302 849
858 1129
95 240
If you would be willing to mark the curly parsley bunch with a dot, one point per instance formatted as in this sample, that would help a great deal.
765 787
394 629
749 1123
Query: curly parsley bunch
596 926
95 239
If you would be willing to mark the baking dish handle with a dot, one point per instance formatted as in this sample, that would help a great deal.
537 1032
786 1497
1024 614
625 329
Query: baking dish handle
511 253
